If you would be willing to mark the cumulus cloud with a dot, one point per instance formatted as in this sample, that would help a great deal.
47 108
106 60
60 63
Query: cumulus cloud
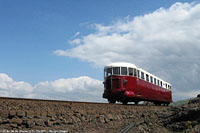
82 88
165 42
9 87
76 89
75 41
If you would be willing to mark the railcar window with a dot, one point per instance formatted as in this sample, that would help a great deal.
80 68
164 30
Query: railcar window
151 78
109 72
142 75
147 77
170 87
158 82
161 83
116 71
138 73
104 72
166 86
155 81
130 71
123 70
135 72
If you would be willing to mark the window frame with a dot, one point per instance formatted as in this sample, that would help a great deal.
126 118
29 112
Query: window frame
147 77
135 72
142 75
126 71
130 68
155 81
158 81
138 73
151 79
118 71
107 74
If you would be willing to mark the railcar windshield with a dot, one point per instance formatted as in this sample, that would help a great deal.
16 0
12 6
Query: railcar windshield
109 72
116 70
123 70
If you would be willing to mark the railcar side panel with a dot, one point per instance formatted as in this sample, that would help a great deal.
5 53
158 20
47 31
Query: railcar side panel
135 88
153 92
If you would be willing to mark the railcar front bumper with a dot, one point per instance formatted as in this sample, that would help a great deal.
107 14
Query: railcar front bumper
129 94
118 94
115 95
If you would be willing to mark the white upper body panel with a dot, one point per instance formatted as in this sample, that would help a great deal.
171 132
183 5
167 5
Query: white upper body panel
120 64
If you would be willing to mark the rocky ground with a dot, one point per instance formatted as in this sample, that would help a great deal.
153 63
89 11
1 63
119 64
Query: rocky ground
184 118
53 116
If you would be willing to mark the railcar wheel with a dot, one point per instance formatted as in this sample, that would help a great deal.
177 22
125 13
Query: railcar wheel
167 104
157 103
112 101
136 103
124 102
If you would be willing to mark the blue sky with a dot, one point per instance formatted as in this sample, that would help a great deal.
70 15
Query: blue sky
32 31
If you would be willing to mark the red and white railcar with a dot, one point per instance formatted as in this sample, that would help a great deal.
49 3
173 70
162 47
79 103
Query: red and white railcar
125 82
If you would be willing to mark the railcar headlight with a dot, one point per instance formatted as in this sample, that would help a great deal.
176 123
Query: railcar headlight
125 81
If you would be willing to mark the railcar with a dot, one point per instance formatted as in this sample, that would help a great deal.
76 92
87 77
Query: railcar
125 82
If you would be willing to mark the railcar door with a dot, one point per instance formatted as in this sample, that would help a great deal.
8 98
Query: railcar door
115 83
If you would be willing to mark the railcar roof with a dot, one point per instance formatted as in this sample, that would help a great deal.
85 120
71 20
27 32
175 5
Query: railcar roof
120 64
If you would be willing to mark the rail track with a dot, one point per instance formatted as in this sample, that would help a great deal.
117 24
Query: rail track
81 103
73 102
48 100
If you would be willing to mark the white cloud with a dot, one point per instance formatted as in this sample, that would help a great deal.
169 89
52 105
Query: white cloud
76 34
75 42
83 83
9 87
78 89
83 87
165 42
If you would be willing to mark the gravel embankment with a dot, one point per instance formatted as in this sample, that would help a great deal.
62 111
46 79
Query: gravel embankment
41 116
